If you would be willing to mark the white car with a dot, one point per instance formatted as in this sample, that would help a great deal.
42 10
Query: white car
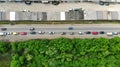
109 33
51 32
80 33
9 33
41 32
1 33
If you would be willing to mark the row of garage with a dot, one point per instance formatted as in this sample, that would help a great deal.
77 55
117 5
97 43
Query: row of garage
59 16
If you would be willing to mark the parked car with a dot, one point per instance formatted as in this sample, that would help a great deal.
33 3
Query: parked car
28 2
71 33
15 33
3 29
3 33
109 33
23 33
9 33
101 32
51 32
33 32
115 33
41 32
63 33
101 2
80 33
31 29
95 33
45 2
88 32
55 2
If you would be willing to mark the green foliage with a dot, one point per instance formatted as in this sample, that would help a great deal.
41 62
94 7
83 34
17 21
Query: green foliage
63 52
4 47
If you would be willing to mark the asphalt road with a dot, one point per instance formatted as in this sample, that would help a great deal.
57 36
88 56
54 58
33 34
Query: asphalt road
58 29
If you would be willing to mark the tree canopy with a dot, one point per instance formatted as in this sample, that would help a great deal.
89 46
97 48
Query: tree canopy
64 52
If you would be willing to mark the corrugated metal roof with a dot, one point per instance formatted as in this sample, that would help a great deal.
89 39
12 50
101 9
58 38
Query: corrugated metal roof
90 15
99 15
114 15
53 15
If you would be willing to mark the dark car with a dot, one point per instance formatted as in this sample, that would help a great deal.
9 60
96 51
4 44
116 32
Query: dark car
37 1
70 28
63 33
31 29
88 32
101 32
101 2
3 29
28 2
55 2
32 32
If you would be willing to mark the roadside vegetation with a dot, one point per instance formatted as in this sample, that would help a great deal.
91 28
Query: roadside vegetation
63 22
62 52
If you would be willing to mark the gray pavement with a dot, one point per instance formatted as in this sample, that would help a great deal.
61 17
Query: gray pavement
59 8
58 29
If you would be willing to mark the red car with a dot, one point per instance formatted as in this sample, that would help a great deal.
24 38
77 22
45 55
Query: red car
95 33
22 33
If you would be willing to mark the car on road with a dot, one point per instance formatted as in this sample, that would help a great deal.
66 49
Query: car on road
55 2
70 28
33 32
72 33
101 3
88 32
51 32
9 33
15 33
80 33
27 2
109 33
45 2
3 29
115 33
23 33
3 33
95 33
63 33
41 32
32 28
101 32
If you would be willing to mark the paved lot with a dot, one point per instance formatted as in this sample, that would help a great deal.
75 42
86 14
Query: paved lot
58 29
52 8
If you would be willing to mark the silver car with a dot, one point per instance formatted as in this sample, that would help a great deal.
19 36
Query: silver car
115 33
